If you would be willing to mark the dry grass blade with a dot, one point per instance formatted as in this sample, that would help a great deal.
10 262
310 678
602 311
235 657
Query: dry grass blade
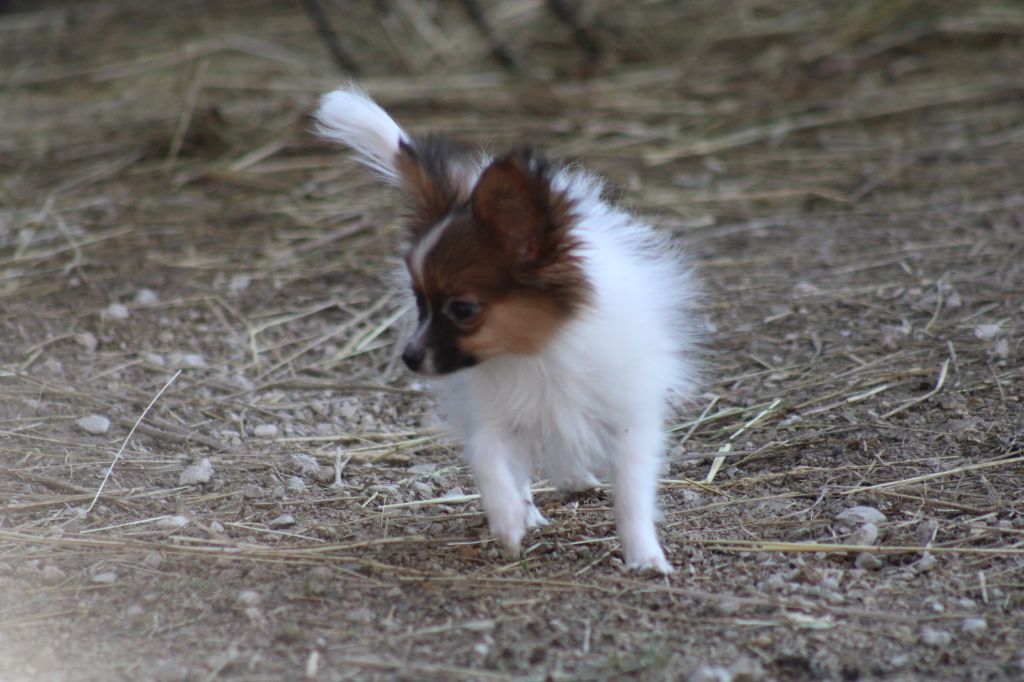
110 469
1002 462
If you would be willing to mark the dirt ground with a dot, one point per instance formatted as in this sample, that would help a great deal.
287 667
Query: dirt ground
847 177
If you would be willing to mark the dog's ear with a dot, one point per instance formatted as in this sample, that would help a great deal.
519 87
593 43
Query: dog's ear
432 179
514 202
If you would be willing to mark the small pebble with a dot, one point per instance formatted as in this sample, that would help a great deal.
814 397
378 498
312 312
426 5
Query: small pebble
728 606
867 561
265 431
282 521
52 367
936 638
116 311
855 516
192 361
153 560
987 331
690 498
295 485
348 410
711 673
251 491
168 671
249 598
197 473
974 626
925 563
172 522
423 489
302 463
52 575
105 578
94 424
146 297
154 359
239 283
864 536
312 664
86 341
216 526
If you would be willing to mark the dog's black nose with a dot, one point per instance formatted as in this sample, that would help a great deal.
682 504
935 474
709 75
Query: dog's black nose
412 356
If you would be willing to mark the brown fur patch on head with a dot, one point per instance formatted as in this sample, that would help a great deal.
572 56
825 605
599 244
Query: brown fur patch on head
433 179
528 222
520 324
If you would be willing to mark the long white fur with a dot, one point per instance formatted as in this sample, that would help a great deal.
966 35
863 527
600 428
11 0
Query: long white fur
592 404
350 117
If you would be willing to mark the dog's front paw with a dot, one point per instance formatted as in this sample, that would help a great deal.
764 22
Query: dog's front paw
653 559
534 519
508 526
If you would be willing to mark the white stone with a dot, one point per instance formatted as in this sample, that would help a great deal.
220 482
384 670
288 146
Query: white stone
239 283
116 311
265 431
52 575
154 359
94 424
146 297
867 561
86 341
974 626
864 536
192 360
934 637
105 578
856 516
197 473
249 597
172 522
282 521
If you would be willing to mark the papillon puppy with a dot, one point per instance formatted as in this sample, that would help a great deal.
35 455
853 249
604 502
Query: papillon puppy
554 326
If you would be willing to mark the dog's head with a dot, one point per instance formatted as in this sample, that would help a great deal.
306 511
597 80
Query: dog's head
493 264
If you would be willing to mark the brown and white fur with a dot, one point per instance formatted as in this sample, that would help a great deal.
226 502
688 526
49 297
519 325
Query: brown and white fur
555 327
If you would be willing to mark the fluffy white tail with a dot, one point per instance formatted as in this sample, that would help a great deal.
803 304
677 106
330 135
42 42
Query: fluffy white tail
350 117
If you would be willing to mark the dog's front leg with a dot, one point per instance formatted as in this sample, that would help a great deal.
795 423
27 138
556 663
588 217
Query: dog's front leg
635 485
503 474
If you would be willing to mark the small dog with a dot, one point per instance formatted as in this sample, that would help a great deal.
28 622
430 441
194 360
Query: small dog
556 326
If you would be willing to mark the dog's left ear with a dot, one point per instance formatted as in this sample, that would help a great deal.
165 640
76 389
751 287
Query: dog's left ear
433 183
516 205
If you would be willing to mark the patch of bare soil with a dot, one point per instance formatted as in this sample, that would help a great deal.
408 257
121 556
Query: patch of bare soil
846 176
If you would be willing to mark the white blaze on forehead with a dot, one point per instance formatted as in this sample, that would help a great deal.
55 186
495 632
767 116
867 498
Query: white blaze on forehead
423 247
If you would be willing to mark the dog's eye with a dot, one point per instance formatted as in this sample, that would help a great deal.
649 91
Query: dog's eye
461 311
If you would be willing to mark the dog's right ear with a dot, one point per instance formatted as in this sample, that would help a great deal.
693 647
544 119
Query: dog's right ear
432 179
